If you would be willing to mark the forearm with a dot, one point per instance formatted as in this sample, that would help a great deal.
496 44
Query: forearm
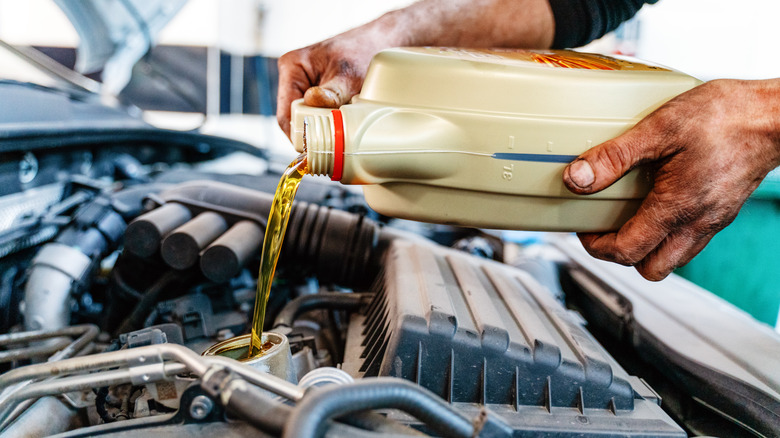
465 23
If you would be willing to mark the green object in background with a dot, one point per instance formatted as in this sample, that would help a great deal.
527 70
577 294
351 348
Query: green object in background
741 263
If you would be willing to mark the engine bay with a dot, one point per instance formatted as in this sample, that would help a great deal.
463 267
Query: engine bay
125 258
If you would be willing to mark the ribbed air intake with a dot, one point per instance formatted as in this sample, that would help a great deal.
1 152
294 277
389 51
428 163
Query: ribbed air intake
476 332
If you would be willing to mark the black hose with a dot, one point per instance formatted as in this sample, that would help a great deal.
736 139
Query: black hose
246 401
310 417
149 299
255 407
327 300
378 423
100 405
339 430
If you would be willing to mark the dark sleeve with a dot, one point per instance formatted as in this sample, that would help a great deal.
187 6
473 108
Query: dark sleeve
578 22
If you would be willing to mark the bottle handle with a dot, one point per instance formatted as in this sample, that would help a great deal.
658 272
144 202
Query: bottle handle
299 111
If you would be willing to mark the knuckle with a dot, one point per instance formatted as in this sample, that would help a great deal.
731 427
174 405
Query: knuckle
714 221
615 156
289 59
625 255
346 68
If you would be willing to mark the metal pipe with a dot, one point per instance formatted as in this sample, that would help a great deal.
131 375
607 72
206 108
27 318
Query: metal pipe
84 381
40 350
77 383
58 418
66 384
86 333
194 363
140 365
16 412
266 381
55 269
111 359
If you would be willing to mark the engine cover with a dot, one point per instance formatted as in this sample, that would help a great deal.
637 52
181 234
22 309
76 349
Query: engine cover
477 332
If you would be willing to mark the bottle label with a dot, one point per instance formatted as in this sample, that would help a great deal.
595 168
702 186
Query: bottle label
549 58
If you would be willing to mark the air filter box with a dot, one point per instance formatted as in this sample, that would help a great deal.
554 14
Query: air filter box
477 332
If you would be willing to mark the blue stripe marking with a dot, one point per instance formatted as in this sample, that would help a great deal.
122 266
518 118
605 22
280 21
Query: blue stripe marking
539 158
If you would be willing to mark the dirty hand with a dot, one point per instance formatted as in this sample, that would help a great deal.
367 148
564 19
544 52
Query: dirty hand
327 74
707 150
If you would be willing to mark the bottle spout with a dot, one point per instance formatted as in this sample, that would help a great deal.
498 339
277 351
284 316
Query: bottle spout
323 140
299 112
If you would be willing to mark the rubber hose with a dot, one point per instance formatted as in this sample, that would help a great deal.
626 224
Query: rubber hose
338 430
310 417
378 423
254 406
327 300
245 401
148 300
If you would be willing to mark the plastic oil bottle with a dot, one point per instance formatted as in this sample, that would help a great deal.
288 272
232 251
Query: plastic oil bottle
481 137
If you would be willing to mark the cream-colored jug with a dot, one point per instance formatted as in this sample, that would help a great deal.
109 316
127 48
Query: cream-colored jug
480 138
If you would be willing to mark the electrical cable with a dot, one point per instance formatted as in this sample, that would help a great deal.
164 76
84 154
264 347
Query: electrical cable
327 300
149 299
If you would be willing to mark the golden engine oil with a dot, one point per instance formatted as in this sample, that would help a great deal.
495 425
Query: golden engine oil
275 229
480 138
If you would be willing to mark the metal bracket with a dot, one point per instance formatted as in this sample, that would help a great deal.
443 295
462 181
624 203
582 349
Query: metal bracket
146 368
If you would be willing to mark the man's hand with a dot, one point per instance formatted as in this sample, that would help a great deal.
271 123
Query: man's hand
326 74
707 149
329 73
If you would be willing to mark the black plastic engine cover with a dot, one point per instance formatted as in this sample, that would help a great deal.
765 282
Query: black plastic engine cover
475 331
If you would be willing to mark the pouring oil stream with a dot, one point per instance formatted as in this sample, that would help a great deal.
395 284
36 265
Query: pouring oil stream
272 244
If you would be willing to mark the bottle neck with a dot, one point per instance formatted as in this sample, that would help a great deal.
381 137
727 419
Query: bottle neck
323 140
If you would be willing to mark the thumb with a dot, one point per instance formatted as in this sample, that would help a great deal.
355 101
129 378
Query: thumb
599 167
331 94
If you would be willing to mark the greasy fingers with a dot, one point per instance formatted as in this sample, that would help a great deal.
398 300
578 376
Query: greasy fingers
294 80
335 92
635 239
322 97
675 251
652 258
707 150
599 167
325 74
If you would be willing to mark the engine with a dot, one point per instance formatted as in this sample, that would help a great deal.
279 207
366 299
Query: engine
126 279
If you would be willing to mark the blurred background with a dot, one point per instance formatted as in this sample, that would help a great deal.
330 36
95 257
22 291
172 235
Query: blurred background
211 65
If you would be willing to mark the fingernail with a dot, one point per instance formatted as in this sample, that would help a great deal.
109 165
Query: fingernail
321 97
581 174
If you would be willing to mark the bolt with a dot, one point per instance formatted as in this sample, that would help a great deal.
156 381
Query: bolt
201 407
28 168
